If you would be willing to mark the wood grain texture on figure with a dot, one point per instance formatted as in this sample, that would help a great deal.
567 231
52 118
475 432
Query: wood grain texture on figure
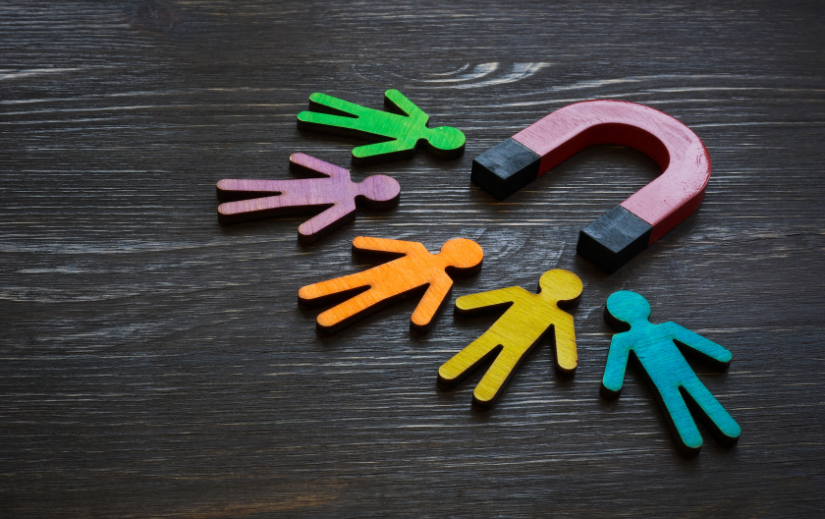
645 216
670 378
335 194
399 130
528 318
375 288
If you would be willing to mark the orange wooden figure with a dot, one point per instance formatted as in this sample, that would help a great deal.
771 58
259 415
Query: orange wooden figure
368 291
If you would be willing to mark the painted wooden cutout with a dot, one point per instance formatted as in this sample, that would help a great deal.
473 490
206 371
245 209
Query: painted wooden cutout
381 286
670 378
528 318
399 132
647 215
335 193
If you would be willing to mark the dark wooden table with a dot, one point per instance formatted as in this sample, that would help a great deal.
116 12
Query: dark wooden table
155 364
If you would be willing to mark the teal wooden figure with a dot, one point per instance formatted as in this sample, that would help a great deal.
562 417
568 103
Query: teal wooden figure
400 130
670 378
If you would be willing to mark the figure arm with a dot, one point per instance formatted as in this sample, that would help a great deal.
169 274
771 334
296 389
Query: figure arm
304 164
567 357
431 303
485 301
367 245
329 292
711 353
398 146
616 365
327 221
397 100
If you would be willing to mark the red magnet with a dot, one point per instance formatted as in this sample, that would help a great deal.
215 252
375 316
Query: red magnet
647 215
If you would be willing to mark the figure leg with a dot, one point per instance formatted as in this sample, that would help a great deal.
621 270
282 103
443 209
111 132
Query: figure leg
327 292
349 311
290 201
240 189
452 372
714 416
330 123
230 212
680 420
328 104
497 375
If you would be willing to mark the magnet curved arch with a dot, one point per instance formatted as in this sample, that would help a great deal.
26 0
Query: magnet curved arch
645 216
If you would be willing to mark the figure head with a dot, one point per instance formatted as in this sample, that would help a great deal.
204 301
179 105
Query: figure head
561 285
381 189
462 254
446 138
627 307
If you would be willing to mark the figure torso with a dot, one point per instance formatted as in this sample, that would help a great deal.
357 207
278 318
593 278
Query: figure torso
654 347
527 319
406 273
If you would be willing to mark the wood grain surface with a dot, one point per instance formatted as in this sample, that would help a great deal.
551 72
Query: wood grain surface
155 363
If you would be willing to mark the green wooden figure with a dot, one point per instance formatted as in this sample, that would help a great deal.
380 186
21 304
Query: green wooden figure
400 132
669 376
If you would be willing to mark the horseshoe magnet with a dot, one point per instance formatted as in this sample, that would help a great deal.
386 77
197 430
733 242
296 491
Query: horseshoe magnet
627 229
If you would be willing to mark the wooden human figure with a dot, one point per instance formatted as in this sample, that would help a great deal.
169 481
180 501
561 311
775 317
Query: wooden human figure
671 379
335 193
400 133
527 319
390 282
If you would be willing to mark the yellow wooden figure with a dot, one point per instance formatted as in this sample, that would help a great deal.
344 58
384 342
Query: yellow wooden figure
527 319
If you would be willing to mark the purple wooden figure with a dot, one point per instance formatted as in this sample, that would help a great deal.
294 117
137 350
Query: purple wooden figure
336 193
